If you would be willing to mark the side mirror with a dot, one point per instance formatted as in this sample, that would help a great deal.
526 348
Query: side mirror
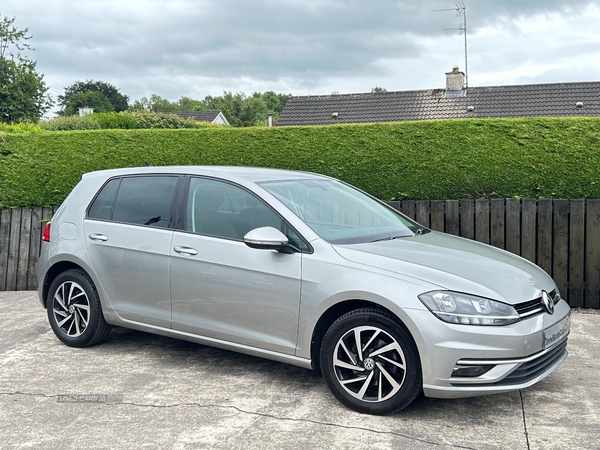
268 238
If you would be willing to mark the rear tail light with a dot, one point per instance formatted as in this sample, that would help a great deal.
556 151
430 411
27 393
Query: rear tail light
46 237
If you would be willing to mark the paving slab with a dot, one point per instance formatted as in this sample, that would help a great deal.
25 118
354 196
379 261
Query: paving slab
138 390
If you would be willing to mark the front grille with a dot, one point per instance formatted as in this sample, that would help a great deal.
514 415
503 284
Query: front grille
531 369
535 306
529 308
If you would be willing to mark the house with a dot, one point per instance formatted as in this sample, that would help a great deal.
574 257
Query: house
454 102
214 116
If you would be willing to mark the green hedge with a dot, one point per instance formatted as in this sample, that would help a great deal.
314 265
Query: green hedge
557 158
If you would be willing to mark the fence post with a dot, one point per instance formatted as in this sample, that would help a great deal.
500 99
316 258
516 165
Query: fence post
592 255
5 220
560 245
576 253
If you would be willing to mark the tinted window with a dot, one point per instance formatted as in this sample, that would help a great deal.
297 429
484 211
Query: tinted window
221 209
295 240
141 201
103 204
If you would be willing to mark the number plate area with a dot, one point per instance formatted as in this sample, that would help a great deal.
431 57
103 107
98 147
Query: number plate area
556 332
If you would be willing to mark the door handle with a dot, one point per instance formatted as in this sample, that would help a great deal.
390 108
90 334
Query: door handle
185 250
98 237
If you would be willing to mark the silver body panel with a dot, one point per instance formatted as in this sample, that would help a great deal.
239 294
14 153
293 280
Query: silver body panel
268 304
232 292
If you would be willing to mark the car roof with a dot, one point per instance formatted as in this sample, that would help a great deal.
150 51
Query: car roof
233 173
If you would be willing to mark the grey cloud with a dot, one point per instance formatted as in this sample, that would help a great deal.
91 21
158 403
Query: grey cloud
144 44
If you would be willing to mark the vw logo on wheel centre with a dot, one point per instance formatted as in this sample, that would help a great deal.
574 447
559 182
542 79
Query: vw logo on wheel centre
369 364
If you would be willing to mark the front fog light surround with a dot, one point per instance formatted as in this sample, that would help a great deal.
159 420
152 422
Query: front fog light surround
459 308
470 371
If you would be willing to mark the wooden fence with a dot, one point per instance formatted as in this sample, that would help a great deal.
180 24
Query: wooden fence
561 236
20 239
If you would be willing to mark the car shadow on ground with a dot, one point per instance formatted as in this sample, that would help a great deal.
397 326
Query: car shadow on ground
167 353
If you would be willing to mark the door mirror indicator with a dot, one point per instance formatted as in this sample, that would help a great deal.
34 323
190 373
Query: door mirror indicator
268 238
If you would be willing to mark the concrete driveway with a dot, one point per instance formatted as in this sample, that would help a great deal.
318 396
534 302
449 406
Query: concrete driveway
142 391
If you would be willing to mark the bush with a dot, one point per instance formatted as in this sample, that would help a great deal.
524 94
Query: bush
22 127
116 121
68 123
125 120
147 119
474 158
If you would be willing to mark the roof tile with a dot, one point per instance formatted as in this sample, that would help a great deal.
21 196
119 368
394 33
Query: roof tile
534 100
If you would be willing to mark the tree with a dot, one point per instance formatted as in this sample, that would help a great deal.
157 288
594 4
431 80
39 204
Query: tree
112 94
158 104
189 104
253 111
378 90
23 93
240 110
230 104
91 99
275 102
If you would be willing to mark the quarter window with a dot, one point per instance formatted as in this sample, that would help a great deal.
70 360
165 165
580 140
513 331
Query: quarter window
103 204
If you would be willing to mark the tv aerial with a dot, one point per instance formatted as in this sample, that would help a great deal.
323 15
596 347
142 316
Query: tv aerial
461 11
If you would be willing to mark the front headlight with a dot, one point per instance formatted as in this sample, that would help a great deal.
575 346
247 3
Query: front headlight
455 307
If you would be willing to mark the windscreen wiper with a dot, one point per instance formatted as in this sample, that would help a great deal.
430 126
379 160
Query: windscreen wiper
391 238
421 231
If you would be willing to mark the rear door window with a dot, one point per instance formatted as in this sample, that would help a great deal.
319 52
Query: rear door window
136 200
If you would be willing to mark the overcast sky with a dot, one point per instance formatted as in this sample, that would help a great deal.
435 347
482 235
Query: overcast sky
305 47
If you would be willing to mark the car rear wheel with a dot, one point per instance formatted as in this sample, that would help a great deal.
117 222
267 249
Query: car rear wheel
370 362
74 310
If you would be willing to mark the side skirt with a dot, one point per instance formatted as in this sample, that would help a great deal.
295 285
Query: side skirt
211 342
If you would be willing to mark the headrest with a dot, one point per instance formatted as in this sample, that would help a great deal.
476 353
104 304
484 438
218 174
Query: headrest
209 196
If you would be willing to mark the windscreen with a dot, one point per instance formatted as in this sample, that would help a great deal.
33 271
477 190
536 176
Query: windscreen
339 213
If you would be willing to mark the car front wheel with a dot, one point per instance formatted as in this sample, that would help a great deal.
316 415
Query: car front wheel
370 362
74 310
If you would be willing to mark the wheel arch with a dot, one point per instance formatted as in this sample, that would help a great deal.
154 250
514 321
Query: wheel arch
54 271
333 313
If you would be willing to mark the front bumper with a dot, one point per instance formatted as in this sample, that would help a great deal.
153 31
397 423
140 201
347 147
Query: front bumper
512 357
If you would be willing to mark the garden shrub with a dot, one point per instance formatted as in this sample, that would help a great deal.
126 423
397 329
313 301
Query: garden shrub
113 120
125 120
147 119
69 123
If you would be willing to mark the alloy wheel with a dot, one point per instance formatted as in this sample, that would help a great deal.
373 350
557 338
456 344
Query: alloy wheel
71 309
369 364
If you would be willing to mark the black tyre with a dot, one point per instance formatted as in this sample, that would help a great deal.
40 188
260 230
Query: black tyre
74 310
370 362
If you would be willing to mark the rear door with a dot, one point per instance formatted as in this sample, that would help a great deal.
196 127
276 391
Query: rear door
128 231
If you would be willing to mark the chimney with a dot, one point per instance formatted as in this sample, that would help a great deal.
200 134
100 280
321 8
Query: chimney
455 80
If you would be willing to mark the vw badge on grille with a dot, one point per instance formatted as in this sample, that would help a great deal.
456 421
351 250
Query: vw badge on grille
547 302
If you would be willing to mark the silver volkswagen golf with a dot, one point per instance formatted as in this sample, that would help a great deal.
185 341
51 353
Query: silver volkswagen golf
303 269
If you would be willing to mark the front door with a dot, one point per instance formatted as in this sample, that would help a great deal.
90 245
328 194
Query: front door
221 288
